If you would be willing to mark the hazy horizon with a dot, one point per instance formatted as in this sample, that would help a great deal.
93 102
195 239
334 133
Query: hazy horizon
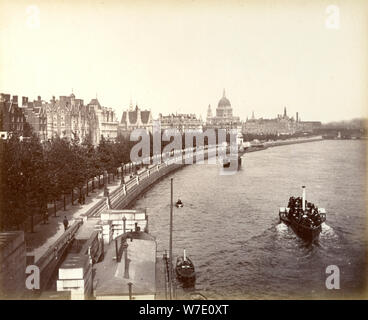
179 56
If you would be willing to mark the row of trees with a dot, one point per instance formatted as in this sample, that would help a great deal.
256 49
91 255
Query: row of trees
269 136
33 174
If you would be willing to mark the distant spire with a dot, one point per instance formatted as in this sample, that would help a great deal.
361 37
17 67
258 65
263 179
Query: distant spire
284 111
253 115
209 112
223 94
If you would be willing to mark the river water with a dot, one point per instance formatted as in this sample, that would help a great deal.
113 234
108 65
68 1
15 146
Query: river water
230 228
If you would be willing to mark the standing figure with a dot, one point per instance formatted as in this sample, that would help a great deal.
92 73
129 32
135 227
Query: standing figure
66 223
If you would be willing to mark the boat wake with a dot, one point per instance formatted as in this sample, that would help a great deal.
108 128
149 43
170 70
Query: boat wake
328 232
283 232
282 229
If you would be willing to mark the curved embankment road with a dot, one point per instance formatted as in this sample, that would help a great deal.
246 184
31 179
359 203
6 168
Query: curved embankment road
145 178
124 195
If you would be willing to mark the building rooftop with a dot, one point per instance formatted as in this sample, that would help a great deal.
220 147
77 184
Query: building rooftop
132 116
95 102
224 102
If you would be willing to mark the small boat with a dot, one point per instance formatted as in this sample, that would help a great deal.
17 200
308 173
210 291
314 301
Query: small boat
179 204
185 272
303 217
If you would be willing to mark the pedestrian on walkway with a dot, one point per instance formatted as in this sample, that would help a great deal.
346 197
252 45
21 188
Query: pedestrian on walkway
66 223
46 217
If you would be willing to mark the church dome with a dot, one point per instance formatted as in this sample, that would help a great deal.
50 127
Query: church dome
224 102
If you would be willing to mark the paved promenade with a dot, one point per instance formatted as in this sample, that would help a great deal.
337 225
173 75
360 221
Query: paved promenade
46 234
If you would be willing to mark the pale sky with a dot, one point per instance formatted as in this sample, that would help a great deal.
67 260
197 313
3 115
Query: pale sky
177 56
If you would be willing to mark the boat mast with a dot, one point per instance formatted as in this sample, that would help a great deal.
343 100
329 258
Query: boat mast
170 244
303 204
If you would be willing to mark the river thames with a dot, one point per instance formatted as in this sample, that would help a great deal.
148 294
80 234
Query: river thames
230 228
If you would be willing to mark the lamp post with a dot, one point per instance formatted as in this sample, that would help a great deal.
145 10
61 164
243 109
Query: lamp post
122 174
170 243
105 183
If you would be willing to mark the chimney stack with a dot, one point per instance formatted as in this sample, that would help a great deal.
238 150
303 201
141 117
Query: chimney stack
24 101
15 99
5 97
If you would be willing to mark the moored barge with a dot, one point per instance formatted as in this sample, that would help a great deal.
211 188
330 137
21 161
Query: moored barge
185 272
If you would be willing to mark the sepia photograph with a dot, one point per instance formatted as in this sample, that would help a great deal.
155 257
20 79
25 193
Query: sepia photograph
183 150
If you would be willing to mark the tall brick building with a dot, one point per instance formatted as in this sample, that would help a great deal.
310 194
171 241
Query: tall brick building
12 118
65 117
35 114
103 122
68 117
